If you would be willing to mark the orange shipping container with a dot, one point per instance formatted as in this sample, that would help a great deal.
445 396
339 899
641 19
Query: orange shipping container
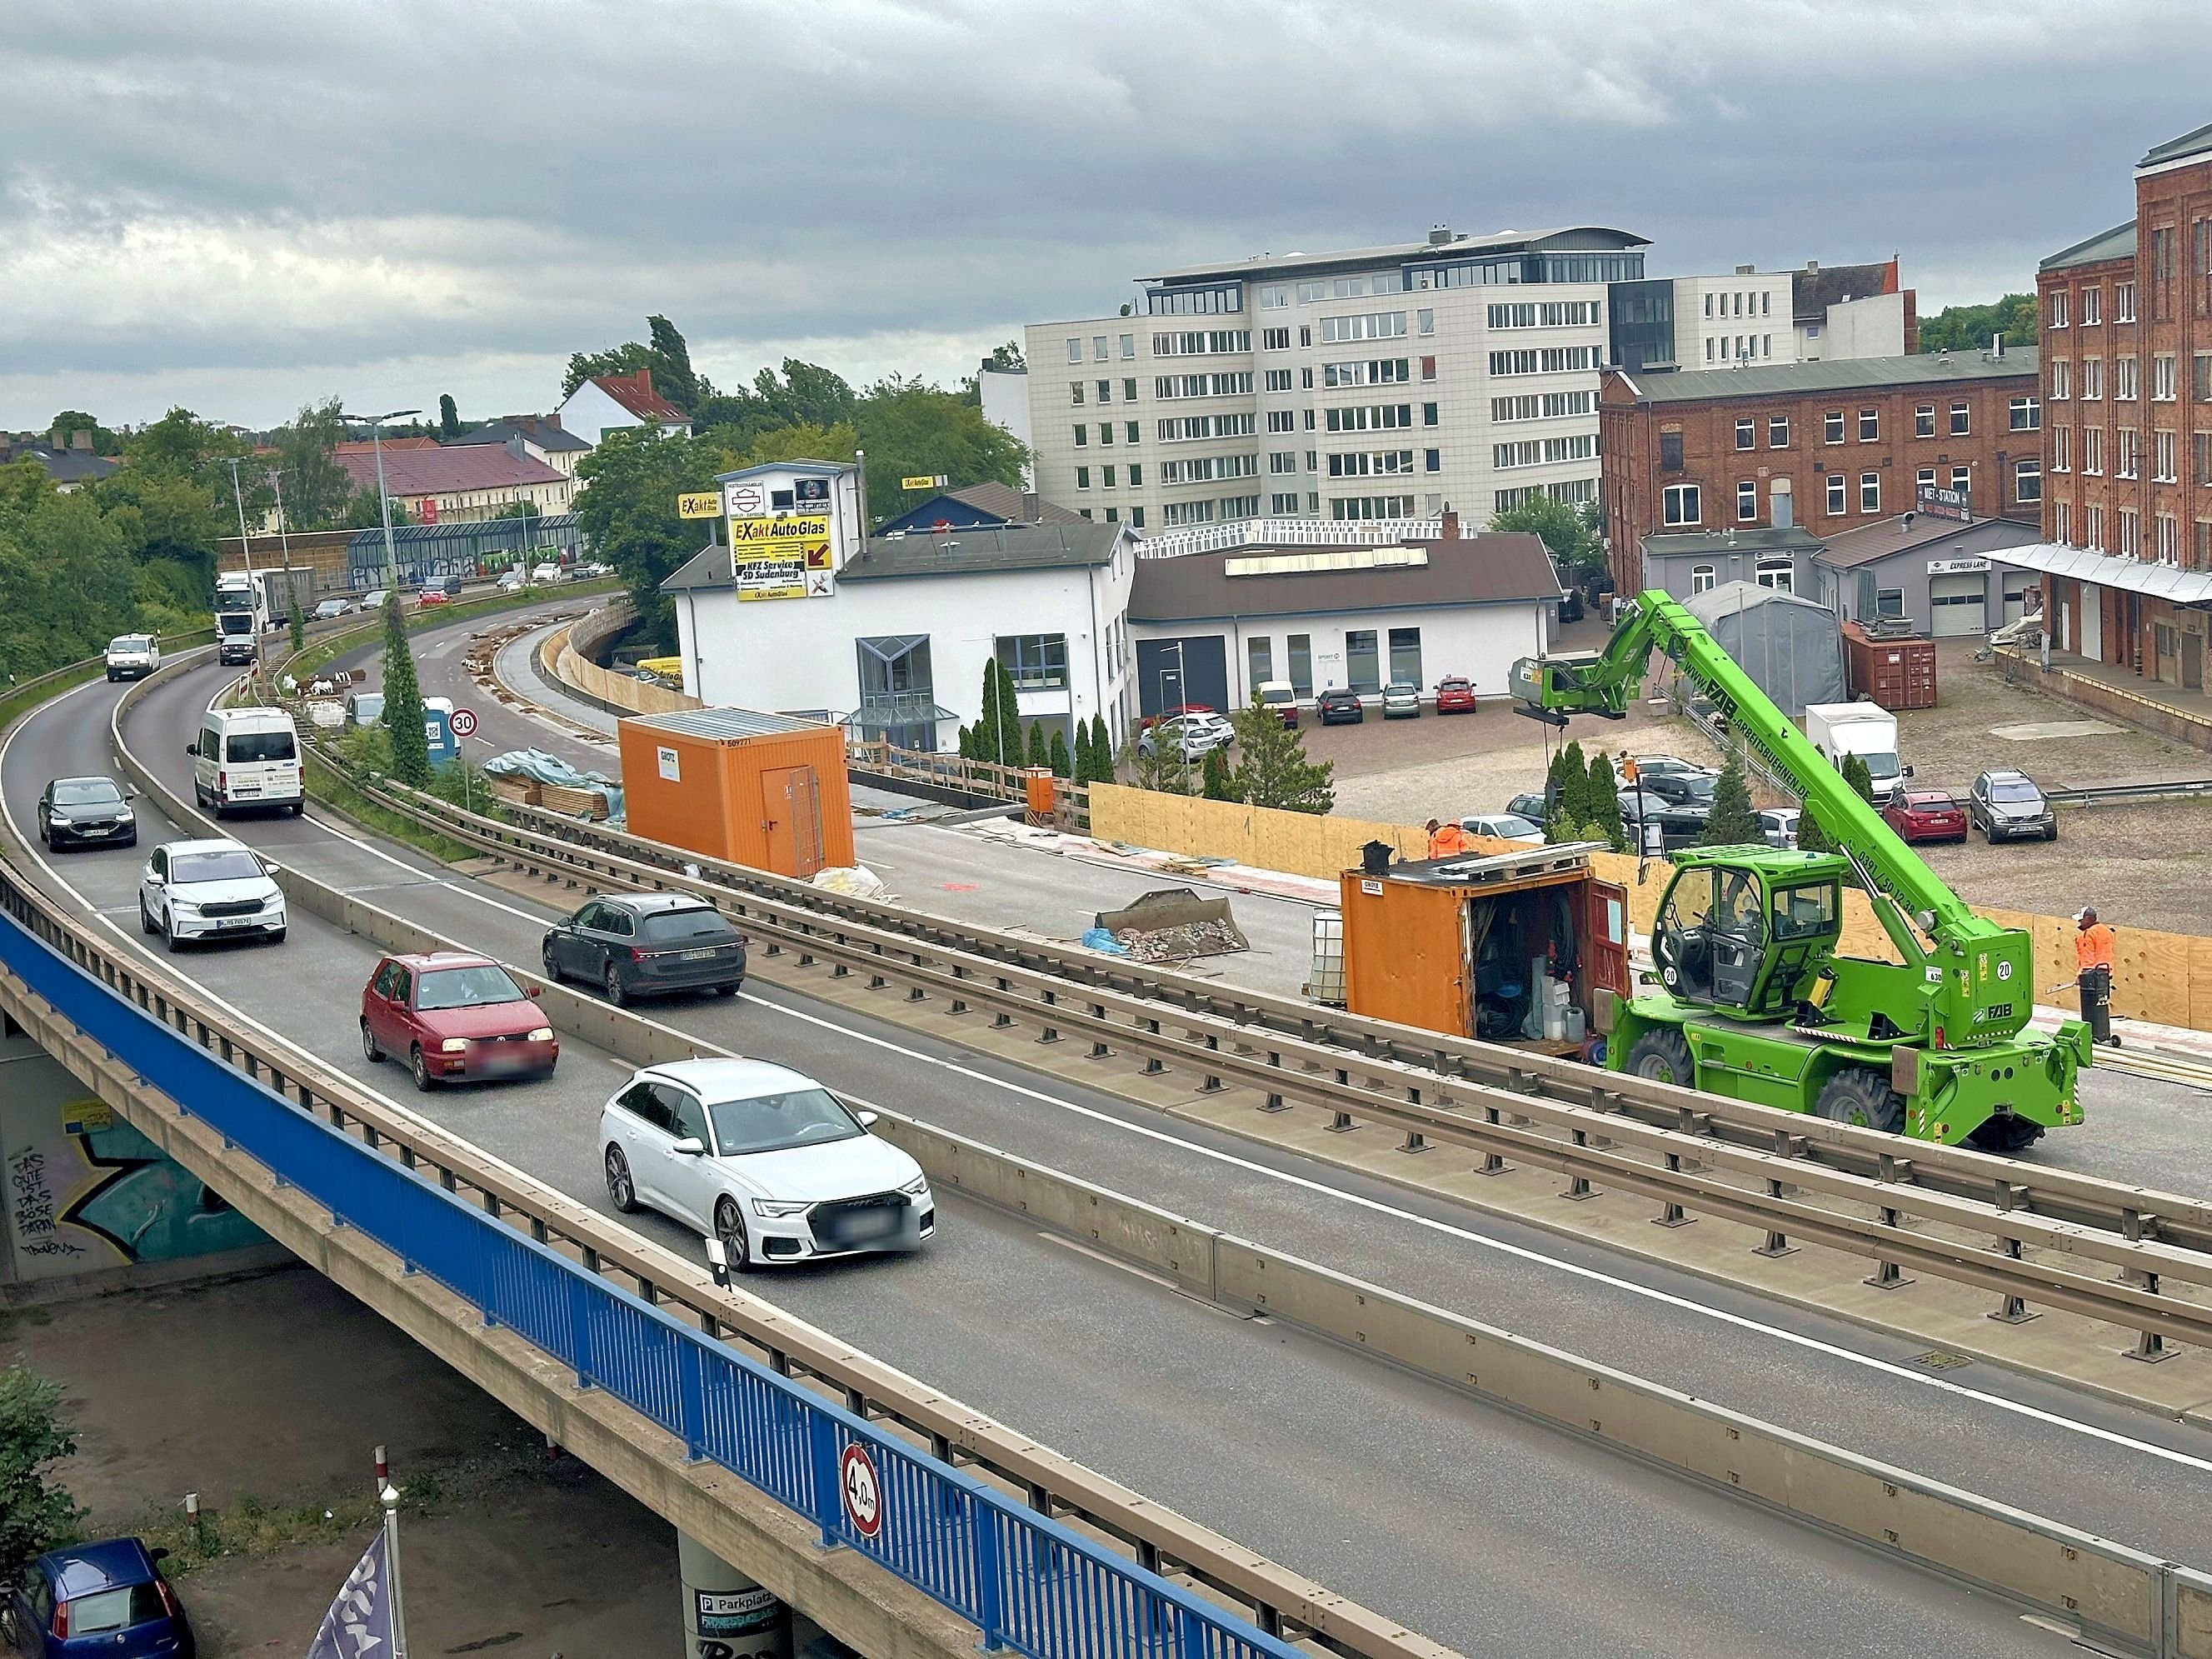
1896 674
764 790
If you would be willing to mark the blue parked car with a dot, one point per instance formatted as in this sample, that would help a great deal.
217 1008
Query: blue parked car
108 1599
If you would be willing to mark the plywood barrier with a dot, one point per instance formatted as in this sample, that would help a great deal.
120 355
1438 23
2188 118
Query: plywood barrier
2163 977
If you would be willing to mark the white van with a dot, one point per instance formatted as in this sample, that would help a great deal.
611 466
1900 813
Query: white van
247 757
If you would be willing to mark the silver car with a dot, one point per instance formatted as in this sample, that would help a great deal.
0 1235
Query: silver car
1401 699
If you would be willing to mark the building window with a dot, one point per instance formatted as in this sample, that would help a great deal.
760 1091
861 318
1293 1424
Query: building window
1428 413
2093 450
1276 379
1038 662
1129 389
1777 432
1924 479
2128 454
1702 578
2123 302
2131 525
1128 354
1869 425
1106 477
2058 308
1746 434
1869 492
1670 452
1425 321
1274 339
898 697
1136 477
2092 378
1105 392
2026 413
1831 427
1075 350
2200 446
1075 393
1282 420
1099 348
1082 436
1282 505
1283 460
1838 490
2061 379
1432 460
1962 480
1362 666
1889 602
2062 449
2169 539
2161 378
1083 477
1682 504
2093 305
1129 431
1747 502
1105 432
1136 513
1258 665
1777 572
2163 462
1428 368
2124 378
2093 527
1113 515
2204 543
1961 419
1923 421
1405 656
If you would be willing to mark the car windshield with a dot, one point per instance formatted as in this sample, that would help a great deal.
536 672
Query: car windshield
133 642
1691 783
1881 764
1400 689
1278 695
2019 791
1452 686
1513 824
260 746
189 869
669 927
1932 803
480 987
767 1123
86 792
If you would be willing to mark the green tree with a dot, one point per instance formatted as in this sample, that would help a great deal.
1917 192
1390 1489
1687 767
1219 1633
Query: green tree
1968 328
449 417
1039 753
70 422
1604 798
807 394
1080 756
1574 797
627 510
1102 752
1732 823
1572 535
625 359
1273 768
1007 356
908 426
1856 775
1813 835
672 364
36 1512
402 701
1216 782
967 743
1056 755
317 491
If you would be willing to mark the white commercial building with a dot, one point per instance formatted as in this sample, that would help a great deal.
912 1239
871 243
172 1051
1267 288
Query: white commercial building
891 634
607 402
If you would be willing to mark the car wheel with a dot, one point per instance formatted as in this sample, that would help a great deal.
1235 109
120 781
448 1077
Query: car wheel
621 1191
275 937
730 1228
731 988
551 958
420 1069
146 922
298 807
169 934
618 992
2051 834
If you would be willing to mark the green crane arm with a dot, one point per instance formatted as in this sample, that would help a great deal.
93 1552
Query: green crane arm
1606 684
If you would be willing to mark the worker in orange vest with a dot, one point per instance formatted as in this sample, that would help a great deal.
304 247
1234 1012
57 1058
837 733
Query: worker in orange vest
1627 767
1446 840
2093 960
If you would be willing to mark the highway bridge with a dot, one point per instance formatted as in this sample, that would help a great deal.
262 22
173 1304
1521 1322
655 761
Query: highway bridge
1484 1530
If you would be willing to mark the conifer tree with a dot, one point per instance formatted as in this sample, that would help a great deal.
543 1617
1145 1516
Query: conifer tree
402 701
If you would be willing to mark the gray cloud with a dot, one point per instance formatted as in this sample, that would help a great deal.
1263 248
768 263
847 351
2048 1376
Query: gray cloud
245 206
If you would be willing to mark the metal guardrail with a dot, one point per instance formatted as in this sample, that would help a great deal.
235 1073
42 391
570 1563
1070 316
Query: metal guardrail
2096 794
1771 1187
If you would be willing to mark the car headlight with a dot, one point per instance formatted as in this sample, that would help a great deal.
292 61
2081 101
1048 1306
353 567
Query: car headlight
777 1208
917 1186
184 907
126 816
543 1034
58 820
455 1045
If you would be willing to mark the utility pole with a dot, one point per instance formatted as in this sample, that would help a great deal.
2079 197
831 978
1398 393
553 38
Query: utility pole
284 539
375 423
388 1496
246 546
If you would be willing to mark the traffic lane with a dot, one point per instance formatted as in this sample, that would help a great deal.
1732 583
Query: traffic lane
1648 1322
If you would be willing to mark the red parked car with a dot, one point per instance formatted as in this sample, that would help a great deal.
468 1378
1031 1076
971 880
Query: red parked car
1454 695
1925 815
451 1015
1176 713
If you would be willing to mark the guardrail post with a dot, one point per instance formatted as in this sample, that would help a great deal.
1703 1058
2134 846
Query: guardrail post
1099 1050
2150 1347
1275 1100
828 1494
1414 1141
1670 1213
1342 1121
1777 1243
1492 1163
1578 1187
1154 1065
1887 1275
1212 1086
1002 1019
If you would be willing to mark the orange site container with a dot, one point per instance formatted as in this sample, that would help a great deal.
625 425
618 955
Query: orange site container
764 790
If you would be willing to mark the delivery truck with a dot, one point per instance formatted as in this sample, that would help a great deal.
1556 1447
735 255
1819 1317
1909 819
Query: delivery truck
1865 729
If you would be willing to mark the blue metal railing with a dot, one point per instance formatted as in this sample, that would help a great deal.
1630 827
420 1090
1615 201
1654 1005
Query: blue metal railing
1028 1582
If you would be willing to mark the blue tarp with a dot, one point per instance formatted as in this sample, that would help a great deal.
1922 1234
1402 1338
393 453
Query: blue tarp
552 769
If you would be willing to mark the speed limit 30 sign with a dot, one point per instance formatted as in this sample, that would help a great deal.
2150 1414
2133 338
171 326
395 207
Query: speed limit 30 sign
862 1491
463 722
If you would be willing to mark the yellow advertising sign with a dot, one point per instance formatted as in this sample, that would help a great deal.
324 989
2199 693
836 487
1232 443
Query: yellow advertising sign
784 536
771 579
706 504
917 483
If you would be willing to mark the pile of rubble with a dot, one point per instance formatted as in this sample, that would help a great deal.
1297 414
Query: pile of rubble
1179 943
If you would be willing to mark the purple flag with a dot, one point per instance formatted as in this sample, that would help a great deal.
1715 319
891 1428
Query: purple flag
359 1624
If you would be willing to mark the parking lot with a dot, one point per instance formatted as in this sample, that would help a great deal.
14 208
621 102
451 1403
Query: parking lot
2145 864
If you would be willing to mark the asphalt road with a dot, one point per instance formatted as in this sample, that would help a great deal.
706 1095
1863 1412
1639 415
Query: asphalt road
1473 1525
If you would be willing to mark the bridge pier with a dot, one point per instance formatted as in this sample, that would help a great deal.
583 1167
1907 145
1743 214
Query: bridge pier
726 1615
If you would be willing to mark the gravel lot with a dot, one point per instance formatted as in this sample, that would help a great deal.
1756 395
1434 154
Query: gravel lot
2144 865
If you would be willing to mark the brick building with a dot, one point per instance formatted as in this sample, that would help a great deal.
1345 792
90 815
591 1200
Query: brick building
2127 391
1823 446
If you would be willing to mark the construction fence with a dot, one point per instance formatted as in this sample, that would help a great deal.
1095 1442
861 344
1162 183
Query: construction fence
2163 977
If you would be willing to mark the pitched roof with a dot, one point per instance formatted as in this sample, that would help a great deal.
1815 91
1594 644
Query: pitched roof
634 392
990 549
64 466
2173 149
1848 550
1831 374
1493 567
1005 502
1812 291
391 445
548 435
437 472
2117 243
801 469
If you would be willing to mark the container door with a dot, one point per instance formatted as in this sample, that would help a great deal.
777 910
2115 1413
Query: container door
793 830
1605 937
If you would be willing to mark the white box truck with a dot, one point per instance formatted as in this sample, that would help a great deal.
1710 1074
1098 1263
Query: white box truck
1865 729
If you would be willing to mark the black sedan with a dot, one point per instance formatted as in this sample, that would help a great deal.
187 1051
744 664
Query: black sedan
1340 707
85 812
646 944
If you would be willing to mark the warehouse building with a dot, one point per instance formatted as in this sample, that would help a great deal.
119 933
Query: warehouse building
1926 573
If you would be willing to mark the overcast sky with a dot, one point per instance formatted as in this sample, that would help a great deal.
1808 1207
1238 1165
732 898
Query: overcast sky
243 207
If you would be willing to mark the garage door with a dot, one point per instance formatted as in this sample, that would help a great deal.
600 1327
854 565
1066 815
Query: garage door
1193 668
1956 604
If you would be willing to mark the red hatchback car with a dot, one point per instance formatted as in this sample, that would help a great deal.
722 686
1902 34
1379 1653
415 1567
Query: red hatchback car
454 1016
1454 695
1926 815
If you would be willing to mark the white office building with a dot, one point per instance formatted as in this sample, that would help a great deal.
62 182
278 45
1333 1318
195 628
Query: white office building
1377 383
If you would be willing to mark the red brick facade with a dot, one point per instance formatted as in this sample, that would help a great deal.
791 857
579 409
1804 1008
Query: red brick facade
2127 389
1829 457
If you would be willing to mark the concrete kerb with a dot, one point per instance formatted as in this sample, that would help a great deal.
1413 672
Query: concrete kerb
862 1604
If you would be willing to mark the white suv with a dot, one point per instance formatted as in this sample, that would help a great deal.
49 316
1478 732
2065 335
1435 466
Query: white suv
208 890
762 1158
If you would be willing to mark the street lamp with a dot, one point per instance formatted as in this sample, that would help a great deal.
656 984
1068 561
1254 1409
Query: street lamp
245 546
375 423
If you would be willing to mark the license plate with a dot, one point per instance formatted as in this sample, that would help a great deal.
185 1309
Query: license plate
873 1224
696 956
234 924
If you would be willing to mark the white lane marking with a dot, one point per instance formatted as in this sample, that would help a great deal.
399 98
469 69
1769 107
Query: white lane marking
1667 1298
